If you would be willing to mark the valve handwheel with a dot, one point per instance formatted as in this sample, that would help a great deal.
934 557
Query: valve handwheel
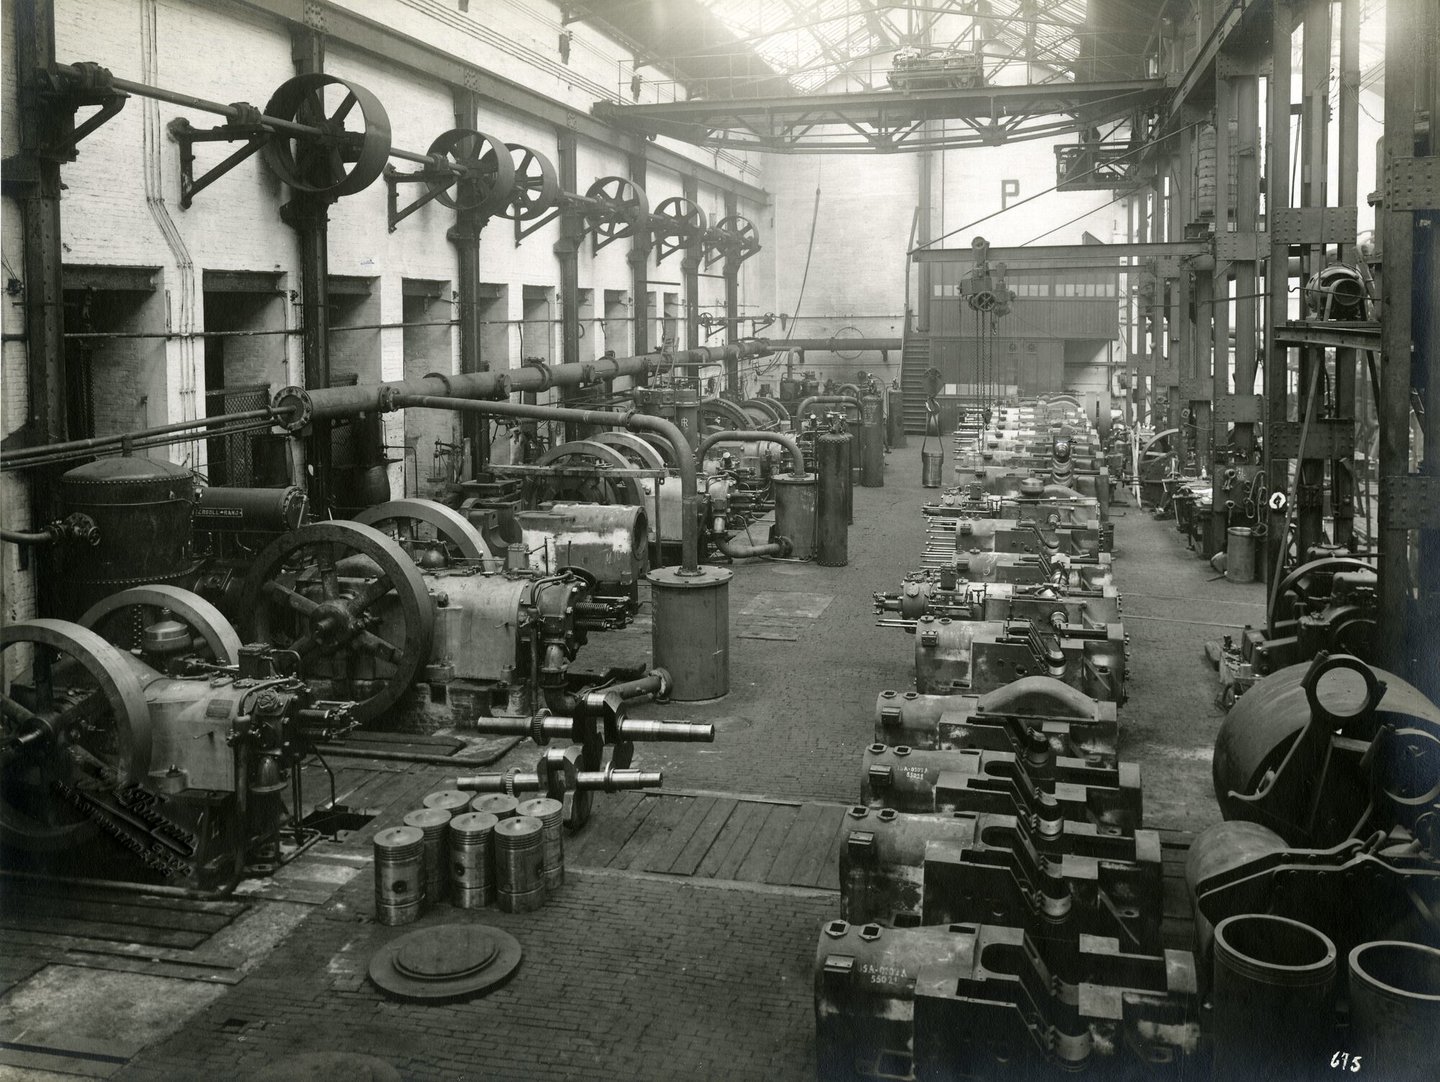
340 162
120 618
489 180
76 720
352 606
416 525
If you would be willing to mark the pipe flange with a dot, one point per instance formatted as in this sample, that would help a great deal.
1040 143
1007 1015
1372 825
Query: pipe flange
385 398
297 402
502 387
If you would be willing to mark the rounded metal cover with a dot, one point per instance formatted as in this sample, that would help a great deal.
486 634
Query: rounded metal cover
672 578
445 962
427 817
450 800
519 828
399 837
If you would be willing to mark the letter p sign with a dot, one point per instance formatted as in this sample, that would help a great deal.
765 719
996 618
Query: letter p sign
1009 189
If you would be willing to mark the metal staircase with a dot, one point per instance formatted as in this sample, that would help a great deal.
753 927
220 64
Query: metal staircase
914 361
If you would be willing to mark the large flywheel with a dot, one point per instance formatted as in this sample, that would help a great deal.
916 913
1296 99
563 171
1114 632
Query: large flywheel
591 488
124 619
351 605
426 530
75 722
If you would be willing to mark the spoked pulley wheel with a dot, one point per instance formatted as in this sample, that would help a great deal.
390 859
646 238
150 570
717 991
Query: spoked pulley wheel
620 209
353 143
1300 584
168 613
75 720
537 184
351 605
421 526
489 180
736 237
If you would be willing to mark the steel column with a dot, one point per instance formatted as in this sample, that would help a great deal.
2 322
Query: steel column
690 274
732 300
567 255
1277 273
465 236
639 259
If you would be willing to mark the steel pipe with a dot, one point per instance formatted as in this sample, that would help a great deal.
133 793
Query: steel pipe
555 725
641 422
609 780
790 443
825 400
326 402
744 550
95 442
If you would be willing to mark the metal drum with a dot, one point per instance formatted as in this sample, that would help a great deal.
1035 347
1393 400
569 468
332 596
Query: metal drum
872 457
832 501
1395 1007
398 887
472 860
932 468
1270 968
142 509
1240 554
795 513
455 801
497 804
520 864
435 825
690 630
552 839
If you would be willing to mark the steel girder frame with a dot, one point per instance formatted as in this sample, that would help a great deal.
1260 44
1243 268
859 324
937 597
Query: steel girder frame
887 120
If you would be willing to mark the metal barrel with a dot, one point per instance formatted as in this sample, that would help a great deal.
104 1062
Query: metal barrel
795 513
472 860
520 864
398 887
895 419
552 839
434 823
852 464
932 468
1270 968
872 457
454 801
690 630
831 526
1240 554
1395 1007
497 804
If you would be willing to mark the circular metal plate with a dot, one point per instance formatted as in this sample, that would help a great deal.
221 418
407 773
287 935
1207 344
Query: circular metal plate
445 962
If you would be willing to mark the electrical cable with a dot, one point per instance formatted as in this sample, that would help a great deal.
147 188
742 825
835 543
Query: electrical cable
809 251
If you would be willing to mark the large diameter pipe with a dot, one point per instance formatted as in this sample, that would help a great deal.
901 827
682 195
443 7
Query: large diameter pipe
326 402
636 422
790 443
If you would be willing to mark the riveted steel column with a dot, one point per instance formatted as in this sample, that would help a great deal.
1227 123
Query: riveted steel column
465 236
639 259
1277 273
567 253
690 273
732 300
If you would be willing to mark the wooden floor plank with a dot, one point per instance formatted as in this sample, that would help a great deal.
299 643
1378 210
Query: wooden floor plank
741 830
756 865
812 856
651 833
126 933
818 868
609 816
794 846
703 838
669 848
22 905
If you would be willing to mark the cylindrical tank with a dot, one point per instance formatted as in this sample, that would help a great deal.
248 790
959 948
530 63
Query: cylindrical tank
519 864
497 804
398 887
434 825
1240 554
895 418
690 630
552 839
932 467
1395 1007
852 462
831 520
687 414
248 510
472 860
872 458
142 509
1269 968
795 513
